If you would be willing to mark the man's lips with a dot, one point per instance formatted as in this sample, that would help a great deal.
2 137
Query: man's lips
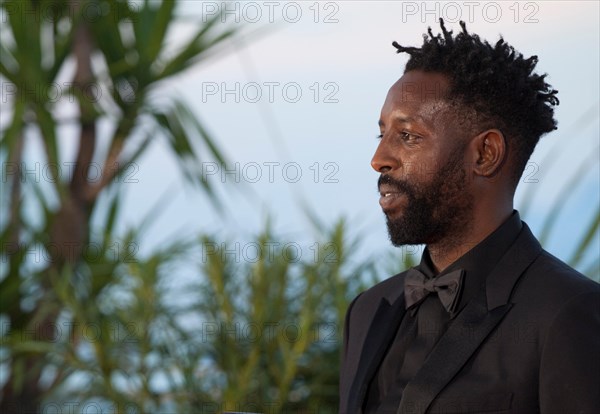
390 198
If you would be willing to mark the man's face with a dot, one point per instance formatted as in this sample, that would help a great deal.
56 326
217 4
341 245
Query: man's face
423 183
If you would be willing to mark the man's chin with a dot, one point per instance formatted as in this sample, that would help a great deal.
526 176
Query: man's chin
400 235
397 242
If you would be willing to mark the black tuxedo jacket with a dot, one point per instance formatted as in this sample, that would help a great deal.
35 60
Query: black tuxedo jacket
529 342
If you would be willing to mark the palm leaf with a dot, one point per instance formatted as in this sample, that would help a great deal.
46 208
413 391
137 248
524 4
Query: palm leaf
550 159
567 188
196 49
586 240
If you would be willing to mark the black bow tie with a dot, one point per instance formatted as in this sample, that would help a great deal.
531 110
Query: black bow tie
417 286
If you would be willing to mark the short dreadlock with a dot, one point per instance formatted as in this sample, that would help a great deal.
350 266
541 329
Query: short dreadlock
494 81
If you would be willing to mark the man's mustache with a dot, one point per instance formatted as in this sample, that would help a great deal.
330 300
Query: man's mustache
399 186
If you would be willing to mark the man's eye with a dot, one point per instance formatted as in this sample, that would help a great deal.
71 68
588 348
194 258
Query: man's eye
405 136
408 137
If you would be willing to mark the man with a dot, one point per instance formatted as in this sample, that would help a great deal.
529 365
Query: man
488 321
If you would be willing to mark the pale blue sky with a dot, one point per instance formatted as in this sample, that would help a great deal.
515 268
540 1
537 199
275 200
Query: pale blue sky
353 61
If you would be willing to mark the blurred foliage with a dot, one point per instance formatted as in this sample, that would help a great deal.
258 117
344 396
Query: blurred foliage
90 324
585 243
61 260
272 321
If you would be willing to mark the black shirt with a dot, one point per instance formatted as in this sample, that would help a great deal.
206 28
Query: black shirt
424 324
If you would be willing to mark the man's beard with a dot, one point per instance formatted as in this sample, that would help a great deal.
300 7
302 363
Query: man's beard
439 210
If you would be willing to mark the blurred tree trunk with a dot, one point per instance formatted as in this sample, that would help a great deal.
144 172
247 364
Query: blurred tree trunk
69 230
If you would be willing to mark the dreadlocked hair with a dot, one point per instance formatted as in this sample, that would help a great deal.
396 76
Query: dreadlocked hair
495 82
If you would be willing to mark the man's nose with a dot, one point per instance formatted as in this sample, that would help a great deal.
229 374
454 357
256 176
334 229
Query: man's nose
383 160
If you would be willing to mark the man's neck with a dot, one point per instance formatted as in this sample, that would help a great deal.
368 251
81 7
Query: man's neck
446 252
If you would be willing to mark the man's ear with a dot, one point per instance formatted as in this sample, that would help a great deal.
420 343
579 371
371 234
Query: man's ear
488 152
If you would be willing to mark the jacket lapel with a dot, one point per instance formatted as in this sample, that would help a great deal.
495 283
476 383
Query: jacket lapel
381 332
455 347
471 327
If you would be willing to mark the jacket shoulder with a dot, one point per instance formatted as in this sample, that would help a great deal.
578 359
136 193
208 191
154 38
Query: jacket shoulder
549 286
554 276
390 289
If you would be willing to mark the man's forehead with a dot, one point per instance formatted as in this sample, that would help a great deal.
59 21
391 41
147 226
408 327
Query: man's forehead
417 86
416 96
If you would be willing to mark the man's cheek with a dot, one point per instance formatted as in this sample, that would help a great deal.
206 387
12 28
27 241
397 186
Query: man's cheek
417 172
